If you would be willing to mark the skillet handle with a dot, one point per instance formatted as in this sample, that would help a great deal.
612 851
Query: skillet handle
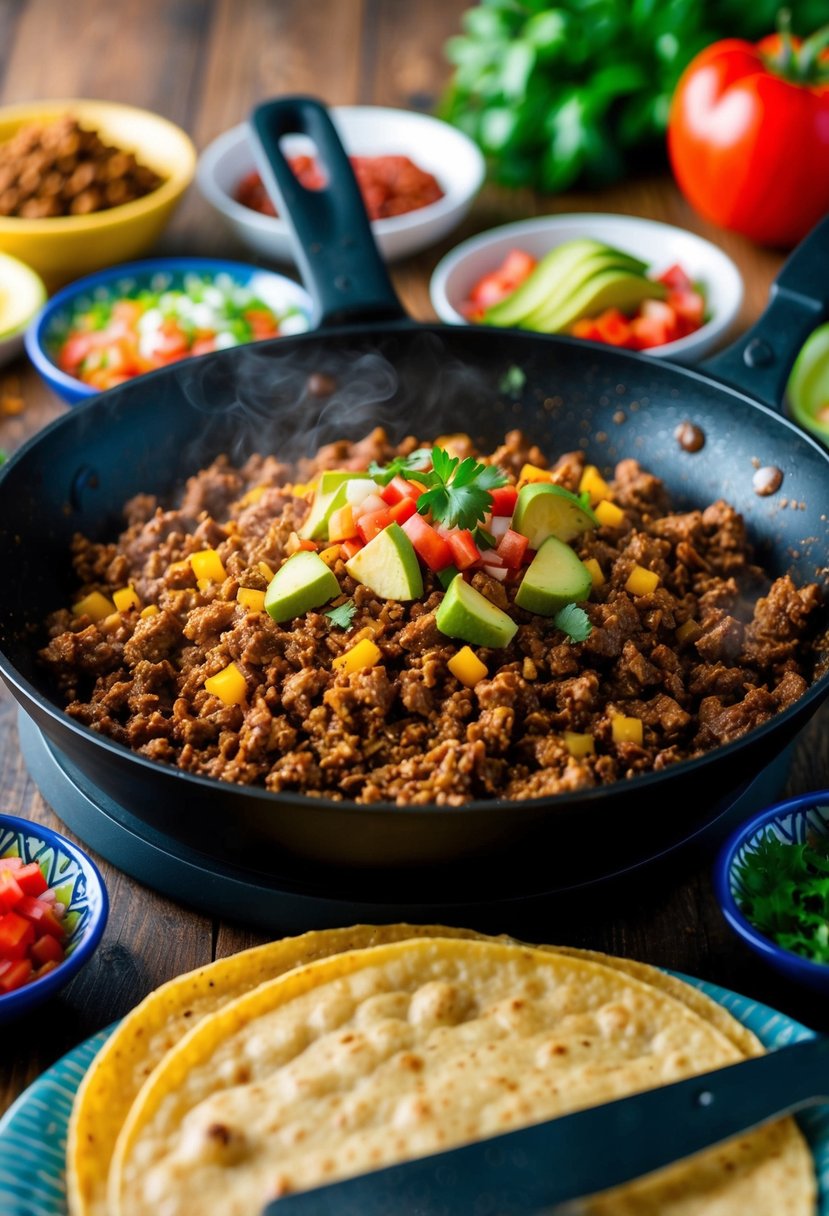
335 250
759 362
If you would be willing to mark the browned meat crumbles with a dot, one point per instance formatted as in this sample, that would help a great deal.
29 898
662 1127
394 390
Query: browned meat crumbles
406 730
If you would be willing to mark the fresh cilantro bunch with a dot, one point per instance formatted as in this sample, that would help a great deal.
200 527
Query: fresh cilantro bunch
785 894
457 491
402 465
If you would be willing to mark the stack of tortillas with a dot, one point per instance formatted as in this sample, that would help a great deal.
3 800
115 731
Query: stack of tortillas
310 1059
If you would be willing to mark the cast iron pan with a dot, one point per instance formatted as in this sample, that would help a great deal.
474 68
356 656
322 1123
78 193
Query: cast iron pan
148 435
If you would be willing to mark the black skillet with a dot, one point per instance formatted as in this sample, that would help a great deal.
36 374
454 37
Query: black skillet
148 435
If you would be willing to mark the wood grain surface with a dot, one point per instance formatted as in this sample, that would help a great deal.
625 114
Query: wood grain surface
203 64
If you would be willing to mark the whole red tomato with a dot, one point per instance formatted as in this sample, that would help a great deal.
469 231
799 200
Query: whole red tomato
748 136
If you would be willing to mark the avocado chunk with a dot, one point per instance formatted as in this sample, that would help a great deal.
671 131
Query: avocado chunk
329 497
303 583
388 565
544 510
466 614
609 288
554 577
554 268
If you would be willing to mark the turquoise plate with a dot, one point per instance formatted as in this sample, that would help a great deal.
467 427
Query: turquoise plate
33 1130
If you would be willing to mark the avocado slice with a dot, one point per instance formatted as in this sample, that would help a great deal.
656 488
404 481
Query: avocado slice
544 510
329 496
536 288
608 288
388 565
808 387
561 286
303 583
466 614
554 577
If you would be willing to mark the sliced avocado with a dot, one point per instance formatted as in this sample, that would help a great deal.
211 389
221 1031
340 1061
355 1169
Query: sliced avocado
612 288
544 510
535 289
388 565
303 583
554 577
561 287
466 614
808 387
329 496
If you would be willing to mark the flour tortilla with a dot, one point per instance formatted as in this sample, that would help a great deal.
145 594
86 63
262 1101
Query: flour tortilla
378 1054
148 1032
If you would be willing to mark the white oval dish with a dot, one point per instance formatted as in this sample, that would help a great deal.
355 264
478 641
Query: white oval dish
661 245
433 145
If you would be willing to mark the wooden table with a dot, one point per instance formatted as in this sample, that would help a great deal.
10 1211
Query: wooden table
203 63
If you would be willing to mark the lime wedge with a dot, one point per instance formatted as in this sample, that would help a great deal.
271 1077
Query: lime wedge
21 294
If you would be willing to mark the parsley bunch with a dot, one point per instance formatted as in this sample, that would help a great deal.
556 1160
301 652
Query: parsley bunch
457 491
404 465
785 894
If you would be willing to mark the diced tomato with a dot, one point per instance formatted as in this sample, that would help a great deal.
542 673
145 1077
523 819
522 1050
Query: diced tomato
16 935
44 969
11 863
675 278
349 547
398 489
504 499
515 268
31 880
689 309
203 346
76 348
10 892
465 552
51 923
613 327
403 510
432 548
16 975
372 524
261 323
47 949
512 548
585 328
33 908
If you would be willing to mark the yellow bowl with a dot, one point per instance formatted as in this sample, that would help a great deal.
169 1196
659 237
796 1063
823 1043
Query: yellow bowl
65 247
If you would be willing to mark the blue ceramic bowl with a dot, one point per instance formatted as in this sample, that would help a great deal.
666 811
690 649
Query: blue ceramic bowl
78 881
50 325
795 821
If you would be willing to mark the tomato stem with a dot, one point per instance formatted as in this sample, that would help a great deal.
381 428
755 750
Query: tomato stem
800 61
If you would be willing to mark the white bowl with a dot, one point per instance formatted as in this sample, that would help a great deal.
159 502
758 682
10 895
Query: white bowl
660 245
433 145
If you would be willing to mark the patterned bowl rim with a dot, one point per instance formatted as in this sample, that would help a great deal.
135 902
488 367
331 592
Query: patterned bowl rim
82 952
724 880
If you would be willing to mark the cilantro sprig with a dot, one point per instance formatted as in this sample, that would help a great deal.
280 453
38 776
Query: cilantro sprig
573 621
343 614
784 892
457 491
403 465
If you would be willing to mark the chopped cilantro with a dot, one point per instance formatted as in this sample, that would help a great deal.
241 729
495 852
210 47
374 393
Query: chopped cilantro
573 621
343 615
785 894
457 491
402 465
3 458
513 381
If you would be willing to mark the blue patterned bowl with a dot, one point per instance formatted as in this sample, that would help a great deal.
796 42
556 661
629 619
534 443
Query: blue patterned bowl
80 887
795 821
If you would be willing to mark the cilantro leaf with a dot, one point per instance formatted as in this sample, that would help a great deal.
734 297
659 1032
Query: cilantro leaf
783 889
573 621
457 491
513 380
343 615
484 539
403 465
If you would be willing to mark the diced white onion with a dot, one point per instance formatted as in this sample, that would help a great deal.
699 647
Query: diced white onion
499 526
357 491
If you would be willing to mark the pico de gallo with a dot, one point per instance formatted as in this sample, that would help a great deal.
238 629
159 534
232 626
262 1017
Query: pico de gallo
116 338
32 925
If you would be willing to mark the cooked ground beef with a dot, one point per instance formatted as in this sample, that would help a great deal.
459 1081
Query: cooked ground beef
406 730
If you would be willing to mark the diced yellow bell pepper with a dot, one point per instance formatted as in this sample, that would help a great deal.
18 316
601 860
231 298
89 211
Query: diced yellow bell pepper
228 685
689 632
251 599
626 730
150 610
330 555
642 581
595 571
579 745
341 525
265 569
608 514
126 598
531 472
95 605
595 485
303 488
467 667
364 654
208 567
253 495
